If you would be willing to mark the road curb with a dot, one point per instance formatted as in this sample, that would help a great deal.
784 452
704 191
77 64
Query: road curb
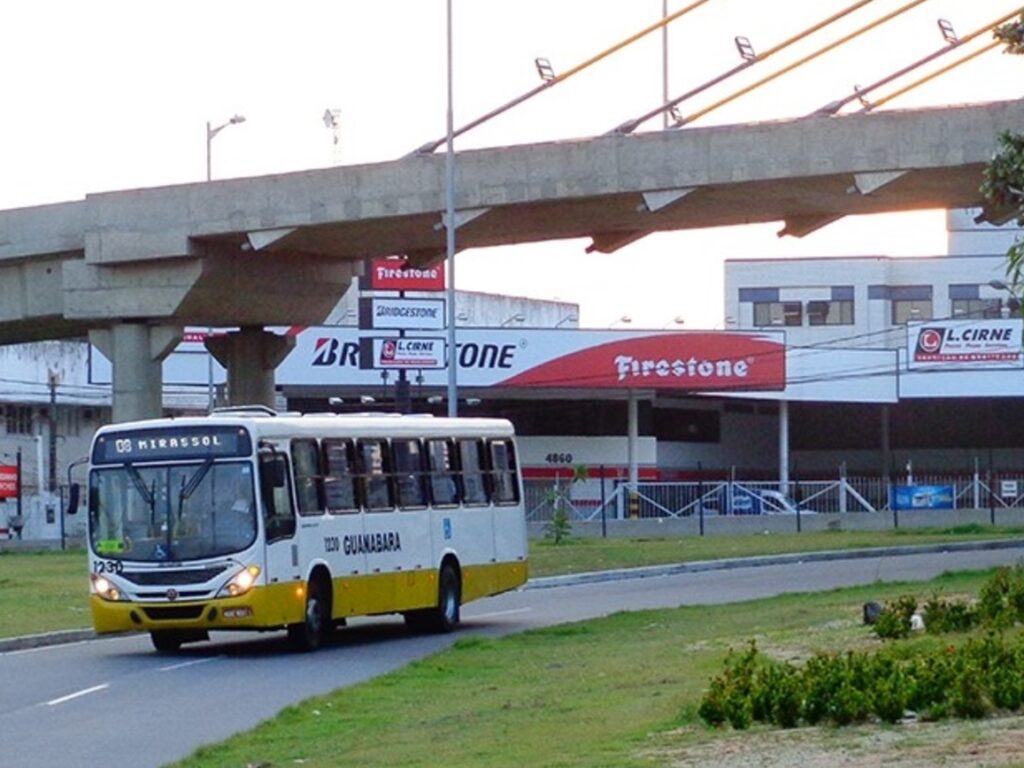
763 560
63 637
81 635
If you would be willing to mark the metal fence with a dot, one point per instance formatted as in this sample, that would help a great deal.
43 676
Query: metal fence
851 494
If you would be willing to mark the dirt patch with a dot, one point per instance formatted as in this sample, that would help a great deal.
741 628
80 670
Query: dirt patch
992 742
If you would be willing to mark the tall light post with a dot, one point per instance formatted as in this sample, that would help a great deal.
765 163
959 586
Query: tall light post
212 131
449 185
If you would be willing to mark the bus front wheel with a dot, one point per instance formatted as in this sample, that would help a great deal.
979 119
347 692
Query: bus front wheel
166 642
311 633
169 641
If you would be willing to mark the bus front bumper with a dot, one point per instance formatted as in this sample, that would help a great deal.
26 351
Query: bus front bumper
264 607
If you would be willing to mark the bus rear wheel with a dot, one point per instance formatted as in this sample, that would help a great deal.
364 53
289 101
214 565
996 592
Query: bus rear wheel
445 616
316 625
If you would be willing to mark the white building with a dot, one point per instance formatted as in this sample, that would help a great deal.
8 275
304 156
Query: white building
947 412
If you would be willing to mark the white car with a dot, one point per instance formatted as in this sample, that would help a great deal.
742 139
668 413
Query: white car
777 503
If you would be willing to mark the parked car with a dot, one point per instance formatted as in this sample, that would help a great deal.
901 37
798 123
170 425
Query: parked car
777 503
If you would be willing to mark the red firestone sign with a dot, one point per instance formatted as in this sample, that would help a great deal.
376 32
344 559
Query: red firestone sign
397 275
8 482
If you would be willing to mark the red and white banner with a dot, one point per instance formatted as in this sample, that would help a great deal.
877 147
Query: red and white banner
397 275
688 361
8 482
966 344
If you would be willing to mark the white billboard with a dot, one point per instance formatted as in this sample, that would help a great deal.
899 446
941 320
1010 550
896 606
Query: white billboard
959 344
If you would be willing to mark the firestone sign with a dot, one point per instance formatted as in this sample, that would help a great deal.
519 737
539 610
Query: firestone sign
397 275
8 482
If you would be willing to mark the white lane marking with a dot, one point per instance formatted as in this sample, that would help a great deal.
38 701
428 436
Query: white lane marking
184 664
77 694
498 613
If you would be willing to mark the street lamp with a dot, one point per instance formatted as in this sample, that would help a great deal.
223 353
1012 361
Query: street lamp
518 317
567 319
211 132
625 320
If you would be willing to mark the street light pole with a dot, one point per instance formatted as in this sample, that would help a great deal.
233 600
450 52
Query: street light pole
210 133
449 176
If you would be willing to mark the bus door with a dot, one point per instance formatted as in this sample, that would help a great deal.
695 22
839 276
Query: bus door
282 552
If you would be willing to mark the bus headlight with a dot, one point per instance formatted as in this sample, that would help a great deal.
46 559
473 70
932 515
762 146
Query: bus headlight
241 582
102 587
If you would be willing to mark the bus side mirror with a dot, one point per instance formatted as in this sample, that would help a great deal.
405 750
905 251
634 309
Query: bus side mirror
74 491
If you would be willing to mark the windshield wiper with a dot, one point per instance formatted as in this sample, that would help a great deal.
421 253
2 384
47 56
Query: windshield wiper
140 485
189 487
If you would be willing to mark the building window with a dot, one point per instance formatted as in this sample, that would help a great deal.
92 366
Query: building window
976 308
830 312
787 313
19 419
911 310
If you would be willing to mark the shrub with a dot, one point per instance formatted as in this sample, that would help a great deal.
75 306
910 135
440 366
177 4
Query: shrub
970 682
894 621
945 616
1001 599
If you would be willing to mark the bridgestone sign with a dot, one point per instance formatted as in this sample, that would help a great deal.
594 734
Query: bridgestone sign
401 314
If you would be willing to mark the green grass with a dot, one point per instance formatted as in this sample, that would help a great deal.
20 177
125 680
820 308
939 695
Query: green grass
608 692
582 555
43 592
47 591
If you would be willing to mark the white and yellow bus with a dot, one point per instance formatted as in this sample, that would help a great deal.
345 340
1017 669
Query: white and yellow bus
252 520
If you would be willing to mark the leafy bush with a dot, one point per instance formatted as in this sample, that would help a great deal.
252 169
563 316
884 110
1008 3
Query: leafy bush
894 621
943 616
972 681
1001 599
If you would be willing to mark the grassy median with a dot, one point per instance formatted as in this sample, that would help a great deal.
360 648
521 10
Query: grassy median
620 691
47 591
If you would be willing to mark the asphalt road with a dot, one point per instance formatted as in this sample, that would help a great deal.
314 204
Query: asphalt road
114 702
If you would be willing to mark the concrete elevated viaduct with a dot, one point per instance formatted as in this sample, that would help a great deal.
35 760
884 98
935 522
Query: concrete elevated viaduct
132 268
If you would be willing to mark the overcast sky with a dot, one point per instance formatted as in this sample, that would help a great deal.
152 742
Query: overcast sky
112 94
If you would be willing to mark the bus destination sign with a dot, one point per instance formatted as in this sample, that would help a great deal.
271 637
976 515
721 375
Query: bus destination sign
171 443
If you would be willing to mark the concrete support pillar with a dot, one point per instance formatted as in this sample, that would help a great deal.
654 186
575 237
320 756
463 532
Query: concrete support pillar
632 453
250 356
783 445
136 352
633 437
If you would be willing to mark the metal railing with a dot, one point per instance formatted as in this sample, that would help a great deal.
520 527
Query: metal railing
851 494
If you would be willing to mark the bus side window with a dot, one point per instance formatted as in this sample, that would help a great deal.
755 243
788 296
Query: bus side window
278 514
340 482
375 475
408 466
471 466
308 477
443 487
504 484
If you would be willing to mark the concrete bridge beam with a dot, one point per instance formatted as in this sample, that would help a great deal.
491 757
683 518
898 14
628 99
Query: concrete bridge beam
250 356
136 351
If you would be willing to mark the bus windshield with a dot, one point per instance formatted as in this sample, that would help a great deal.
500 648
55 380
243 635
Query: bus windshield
171 512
